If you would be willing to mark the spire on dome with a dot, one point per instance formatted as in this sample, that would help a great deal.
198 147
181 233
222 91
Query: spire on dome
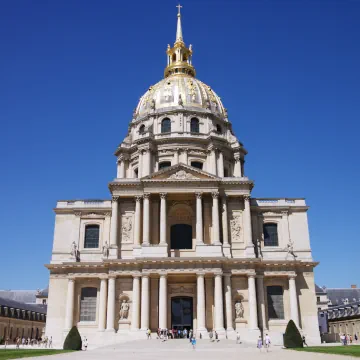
179 57
179 36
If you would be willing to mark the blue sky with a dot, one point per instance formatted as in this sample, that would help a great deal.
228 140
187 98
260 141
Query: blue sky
71 73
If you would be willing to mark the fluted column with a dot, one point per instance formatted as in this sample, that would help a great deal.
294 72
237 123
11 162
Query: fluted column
261 301
137 227
102 304
294 310
135 321
69 316
200 311
146 220
247 227
213 161
145 301
220 169
114 221
224 219
253 321
199 220
219 305
140 164
228 303
163 301
215 219
110 319
163 219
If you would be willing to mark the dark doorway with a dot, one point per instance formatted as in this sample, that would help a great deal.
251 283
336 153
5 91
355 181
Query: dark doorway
181 236
182 313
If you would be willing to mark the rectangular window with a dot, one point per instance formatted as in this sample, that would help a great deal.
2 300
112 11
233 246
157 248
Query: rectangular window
275 302
92 236
88 304
270 235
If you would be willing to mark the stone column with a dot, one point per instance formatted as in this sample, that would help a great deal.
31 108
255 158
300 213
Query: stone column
213 161
220 168
69 317
200 311
186 156
163 219
140 165
110 319
137 227
114 221
163 301
145 301
135 303
247 228
121 168
146 220
261 302
225 228
294 310
253 321
199 220
176 157
219 305
228 303
237 166
215 219
102 304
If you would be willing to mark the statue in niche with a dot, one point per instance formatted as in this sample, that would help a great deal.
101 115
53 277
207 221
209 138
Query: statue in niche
105 250
124 310
73 250
239 310
290 249
126 228
180 102
152 104
235 228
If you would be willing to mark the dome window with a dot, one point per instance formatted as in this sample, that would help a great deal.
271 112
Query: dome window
197 164
194 125
164 165
142 130
218 129
166 126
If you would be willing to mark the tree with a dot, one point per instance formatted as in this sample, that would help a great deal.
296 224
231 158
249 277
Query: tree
292 336
73 340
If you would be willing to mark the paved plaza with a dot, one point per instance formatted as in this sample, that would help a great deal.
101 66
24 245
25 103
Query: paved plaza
181 349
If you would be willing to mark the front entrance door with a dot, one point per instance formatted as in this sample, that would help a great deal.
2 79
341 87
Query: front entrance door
182 313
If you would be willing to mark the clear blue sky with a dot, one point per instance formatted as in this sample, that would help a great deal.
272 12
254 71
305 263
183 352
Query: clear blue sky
71 73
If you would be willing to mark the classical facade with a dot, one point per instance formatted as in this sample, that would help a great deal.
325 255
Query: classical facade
181 243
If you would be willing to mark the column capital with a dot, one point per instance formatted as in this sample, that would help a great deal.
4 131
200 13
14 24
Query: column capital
218 273
200 274
136 275
115 198
199 195
284 212
138 198
103 277
246 197
227 275
163 196
112 276
251 276
163 274
71 278
145 275
260 276
292 276
215 194
147 195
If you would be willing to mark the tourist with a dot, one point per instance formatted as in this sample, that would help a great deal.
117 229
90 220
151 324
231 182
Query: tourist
267 342
343 339
216 336
17 343
304 341
191 334
355 337
85 343
193 343
237 337
6 341
50 342
23 341
148 333
179 333
347 339
259 343
351 339
185 333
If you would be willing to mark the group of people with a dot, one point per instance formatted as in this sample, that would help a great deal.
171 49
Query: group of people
266 342
347 339
46 342
165 334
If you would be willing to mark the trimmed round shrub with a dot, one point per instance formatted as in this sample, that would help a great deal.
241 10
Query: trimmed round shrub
73 340
292 336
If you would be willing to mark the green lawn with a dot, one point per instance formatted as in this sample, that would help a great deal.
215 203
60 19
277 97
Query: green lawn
22 353
351 350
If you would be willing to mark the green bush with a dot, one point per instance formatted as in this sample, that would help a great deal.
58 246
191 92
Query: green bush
73 340
292 336
1 340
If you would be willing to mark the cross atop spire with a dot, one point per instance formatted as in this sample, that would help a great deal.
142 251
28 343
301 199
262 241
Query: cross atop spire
179 28
179 7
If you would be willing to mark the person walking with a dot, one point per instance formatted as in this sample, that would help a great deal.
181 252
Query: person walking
193 343
85 343
267 342
304 341
259 343
216 336
211 336
50 343
237 337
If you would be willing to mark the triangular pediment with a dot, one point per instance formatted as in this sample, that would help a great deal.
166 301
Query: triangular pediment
180 172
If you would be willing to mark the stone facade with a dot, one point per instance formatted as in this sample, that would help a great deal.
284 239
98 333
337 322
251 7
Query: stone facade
181 243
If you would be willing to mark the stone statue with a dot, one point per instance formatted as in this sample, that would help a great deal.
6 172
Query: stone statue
181 103
258 245
73 251
290 249
239 310
152 104
124 310
105 250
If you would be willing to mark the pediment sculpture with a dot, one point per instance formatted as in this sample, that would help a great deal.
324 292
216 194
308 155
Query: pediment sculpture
182 175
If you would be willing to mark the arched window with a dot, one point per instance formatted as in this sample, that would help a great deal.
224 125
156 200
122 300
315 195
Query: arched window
88 304
92 236
194 125
164 165
197 164
270 235
166 125
142 129
218 129
275 302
